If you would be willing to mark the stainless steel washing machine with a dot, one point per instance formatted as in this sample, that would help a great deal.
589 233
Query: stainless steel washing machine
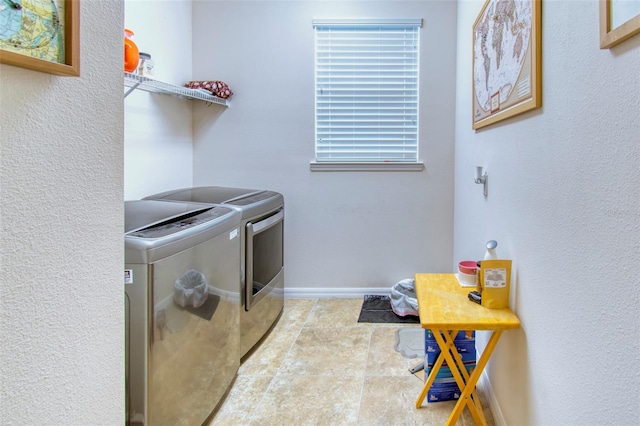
262 252
182 263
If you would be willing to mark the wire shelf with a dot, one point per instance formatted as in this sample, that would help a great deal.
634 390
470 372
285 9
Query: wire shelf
135 81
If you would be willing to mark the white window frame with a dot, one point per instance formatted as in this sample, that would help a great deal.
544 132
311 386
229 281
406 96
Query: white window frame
337 145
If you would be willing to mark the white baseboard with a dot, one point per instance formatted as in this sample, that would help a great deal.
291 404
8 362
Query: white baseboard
485 385
333 293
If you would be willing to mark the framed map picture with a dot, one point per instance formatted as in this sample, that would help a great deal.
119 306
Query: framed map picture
41 35
506 60
619 20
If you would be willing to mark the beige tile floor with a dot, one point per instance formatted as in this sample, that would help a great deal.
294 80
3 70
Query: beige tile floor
319 366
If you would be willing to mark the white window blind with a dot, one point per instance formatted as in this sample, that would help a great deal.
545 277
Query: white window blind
366 75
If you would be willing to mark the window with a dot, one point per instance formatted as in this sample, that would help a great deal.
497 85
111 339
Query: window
366 82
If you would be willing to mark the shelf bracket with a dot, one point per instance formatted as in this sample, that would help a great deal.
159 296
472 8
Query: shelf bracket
131 89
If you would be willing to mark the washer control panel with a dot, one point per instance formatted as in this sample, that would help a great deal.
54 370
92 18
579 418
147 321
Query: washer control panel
251 199
181 223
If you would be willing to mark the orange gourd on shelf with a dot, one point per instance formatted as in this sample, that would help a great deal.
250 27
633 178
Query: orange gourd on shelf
131 53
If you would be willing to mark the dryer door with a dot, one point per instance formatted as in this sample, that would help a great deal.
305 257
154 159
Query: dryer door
264 256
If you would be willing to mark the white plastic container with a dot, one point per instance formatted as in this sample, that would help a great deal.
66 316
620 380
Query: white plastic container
145 66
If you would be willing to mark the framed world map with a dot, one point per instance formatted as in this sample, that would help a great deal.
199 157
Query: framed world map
41 35
506 60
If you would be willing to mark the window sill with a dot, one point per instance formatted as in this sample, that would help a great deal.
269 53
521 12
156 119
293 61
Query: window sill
365 167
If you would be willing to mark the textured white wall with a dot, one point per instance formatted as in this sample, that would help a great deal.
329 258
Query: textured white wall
343 229
61 298
564 204
158 136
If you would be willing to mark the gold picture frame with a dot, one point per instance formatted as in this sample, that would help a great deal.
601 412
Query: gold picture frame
618 21
507 60
68 26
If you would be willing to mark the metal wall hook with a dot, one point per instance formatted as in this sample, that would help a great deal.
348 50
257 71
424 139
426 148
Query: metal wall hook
481 178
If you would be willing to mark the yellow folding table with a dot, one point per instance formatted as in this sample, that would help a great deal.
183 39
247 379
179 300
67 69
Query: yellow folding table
445 309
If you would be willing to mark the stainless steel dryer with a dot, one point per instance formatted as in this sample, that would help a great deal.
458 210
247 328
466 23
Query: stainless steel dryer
262 252
182 263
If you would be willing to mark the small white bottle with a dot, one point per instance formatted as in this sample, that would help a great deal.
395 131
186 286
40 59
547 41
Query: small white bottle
491 250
